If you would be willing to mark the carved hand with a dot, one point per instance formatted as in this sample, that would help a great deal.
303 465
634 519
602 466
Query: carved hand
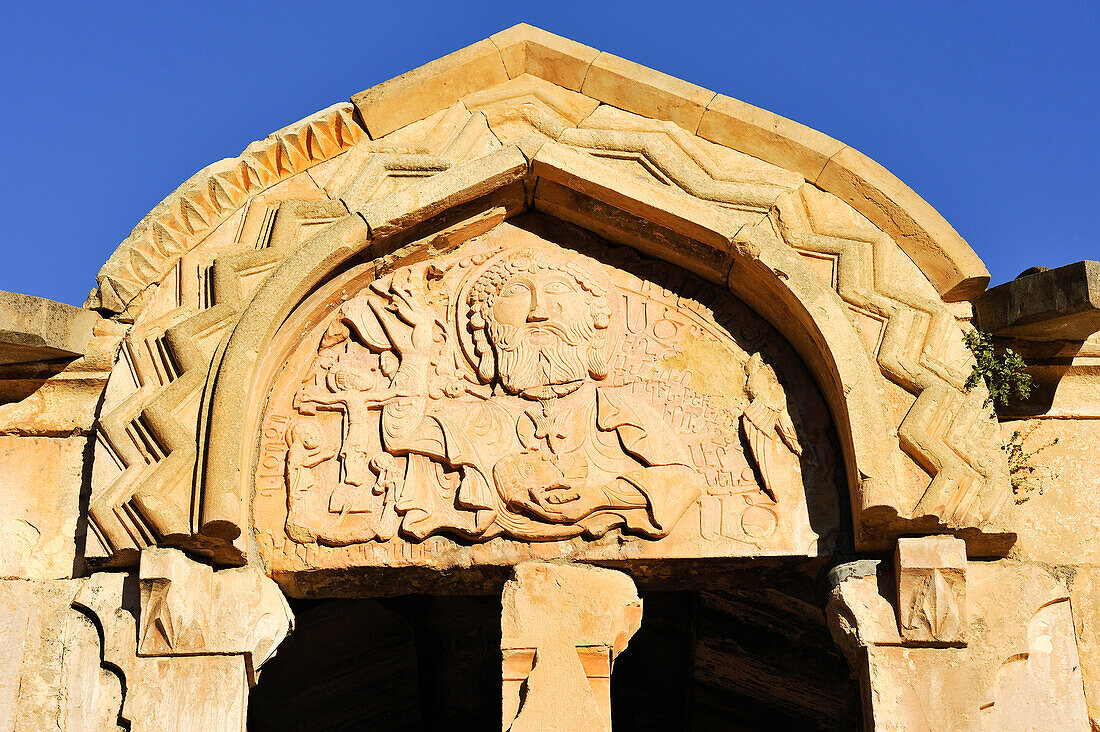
565 503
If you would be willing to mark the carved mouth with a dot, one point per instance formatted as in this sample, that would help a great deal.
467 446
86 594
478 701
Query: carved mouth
543 336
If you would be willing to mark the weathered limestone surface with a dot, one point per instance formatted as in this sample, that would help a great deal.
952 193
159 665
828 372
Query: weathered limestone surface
188 609
36 329
1022 667
1085 602
416 94
526 49
50 673
561 628
1065 379
1057 499
41 478
190 644
532 301
1052 305
58 397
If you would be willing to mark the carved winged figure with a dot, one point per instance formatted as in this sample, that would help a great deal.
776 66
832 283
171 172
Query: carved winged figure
766 421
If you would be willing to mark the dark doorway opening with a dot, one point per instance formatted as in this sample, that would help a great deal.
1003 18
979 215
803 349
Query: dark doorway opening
736 659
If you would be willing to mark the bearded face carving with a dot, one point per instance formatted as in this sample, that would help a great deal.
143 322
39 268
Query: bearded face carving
539 326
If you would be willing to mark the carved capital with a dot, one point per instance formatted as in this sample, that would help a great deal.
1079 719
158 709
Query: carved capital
187 643
930 573
187 609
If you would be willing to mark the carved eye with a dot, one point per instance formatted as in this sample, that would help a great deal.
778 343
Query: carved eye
515 289
556 287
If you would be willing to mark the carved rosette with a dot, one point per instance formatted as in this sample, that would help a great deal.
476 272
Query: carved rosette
536 393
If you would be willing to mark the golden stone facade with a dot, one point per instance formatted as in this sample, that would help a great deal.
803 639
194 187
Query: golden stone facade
534 322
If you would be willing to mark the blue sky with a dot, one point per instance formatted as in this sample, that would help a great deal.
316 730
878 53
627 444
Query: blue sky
988 110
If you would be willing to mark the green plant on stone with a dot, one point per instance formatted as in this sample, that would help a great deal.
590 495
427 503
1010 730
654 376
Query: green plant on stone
1002 373
1022 473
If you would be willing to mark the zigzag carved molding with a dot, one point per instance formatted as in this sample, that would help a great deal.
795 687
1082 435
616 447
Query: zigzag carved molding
201 204
152 434
149 435
947 431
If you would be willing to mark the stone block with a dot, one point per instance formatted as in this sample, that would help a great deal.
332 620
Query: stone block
635 88
561 628
37 329
1020 670
50 674
59 398
434 86
62 405
943 256
209 633
526 49
455 186
1052 305
765 135
188 609
40 478
207 693
931 578
1085 598
857 613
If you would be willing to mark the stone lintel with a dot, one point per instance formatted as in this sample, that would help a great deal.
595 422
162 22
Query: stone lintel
1061 304
36 329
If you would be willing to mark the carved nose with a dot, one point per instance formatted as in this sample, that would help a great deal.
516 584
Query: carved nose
537 313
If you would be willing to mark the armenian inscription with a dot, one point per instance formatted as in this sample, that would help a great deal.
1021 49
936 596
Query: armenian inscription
536 394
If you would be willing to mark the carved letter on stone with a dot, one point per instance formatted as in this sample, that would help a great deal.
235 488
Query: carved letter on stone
931 577
562 627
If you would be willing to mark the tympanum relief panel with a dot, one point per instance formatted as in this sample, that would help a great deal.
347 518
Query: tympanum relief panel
535 393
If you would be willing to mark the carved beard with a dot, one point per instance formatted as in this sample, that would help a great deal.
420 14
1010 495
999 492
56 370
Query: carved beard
538 358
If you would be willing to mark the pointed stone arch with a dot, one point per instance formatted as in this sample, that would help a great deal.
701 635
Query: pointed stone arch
858 272
750 260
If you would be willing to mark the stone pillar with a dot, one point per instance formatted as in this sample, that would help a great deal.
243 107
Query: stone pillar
196 644
938 642
562 625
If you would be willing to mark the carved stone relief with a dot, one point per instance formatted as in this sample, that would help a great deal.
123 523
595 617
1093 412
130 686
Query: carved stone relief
931 579
1020 667
537 386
